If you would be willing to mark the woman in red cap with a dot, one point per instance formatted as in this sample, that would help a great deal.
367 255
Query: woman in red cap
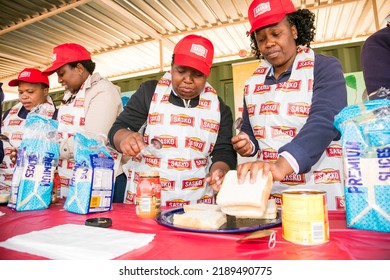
289 104
194 125
91 103
33 89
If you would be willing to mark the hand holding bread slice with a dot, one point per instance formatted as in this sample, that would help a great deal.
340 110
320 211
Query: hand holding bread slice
246 200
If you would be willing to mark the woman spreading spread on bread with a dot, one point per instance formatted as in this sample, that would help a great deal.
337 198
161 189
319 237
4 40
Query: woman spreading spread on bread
289 104
185 114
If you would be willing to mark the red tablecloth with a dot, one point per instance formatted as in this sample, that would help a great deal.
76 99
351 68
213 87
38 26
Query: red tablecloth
171 244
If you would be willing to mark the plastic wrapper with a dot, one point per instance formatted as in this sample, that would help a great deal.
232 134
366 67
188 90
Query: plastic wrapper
365 130
37 159
92 184
381 93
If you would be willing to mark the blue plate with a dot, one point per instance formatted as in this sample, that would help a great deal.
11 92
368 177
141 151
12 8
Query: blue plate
165 218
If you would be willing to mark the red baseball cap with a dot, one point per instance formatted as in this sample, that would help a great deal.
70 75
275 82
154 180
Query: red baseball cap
30 75
196 52
66 53
266 12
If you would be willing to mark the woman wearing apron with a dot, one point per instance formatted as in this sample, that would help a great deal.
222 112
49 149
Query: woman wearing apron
193 124
289 105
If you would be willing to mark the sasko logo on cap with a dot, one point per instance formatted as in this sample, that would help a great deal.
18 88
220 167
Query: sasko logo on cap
199 50
25 74
261 9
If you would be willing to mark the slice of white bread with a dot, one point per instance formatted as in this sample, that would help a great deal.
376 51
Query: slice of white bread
201 207
200 219
244 200
271 210
242 211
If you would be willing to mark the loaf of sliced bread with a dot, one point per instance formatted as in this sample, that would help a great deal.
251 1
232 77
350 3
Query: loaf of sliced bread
243 211
245 200
271 211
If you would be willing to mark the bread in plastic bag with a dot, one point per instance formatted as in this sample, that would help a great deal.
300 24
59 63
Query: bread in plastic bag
92 183
37 159
365 130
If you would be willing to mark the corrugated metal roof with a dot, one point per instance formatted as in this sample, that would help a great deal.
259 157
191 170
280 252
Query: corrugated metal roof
134 37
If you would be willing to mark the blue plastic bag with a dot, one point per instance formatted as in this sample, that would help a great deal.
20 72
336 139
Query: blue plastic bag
365 130
37 159
92 184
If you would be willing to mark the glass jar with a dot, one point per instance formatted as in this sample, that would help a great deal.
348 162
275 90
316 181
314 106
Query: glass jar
148 195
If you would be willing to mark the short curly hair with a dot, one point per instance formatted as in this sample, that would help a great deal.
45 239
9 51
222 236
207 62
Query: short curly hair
303 20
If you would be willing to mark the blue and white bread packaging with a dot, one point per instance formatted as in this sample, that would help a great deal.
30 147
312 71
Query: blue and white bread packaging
38 154
92 184
365 130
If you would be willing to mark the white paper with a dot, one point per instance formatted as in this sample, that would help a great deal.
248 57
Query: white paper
78 242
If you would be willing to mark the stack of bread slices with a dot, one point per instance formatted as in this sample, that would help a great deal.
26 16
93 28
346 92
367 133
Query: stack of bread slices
239 200
247 200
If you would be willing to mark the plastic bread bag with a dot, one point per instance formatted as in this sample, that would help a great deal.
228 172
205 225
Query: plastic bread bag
37 159
365 130
92 184
381 93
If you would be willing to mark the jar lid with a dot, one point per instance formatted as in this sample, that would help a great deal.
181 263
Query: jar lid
149 174
99 222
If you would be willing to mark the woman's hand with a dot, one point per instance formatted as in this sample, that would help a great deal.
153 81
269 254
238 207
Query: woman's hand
129 142
279 169
216 175
13 155
242 144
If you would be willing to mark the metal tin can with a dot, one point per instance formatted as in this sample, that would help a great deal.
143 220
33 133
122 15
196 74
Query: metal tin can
148 195
305 217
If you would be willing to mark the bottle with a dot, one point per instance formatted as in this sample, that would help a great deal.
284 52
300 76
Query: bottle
148 195
55 193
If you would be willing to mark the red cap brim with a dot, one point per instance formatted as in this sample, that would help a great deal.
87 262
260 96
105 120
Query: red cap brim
192 62
51 70
267 21
13 83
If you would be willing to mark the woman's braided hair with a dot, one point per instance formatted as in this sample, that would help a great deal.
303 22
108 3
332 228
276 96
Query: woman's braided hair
303 20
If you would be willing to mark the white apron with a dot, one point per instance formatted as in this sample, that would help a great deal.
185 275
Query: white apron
278 112
188 136
71 119
13 127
